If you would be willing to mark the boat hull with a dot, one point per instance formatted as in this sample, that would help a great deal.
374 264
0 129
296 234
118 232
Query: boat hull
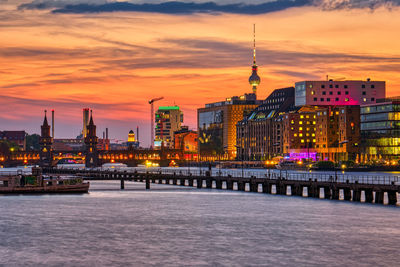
56 189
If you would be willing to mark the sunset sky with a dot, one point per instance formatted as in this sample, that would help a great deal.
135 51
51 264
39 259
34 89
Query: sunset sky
114 57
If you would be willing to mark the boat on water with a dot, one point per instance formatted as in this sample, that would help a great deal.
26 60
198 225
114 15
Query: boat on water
291 165
37 183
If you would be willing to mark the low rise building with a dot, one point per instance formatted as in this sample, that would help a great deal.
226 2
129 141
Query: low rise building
187 141
299 133
258 134
16 137
338 133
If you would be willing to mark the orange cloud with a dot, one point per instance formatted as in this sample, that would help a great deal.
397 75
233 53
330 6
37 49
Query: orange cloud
115 62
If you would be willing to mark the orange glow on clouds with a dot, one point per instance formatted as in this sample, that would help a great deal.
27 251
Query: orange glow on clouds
115 62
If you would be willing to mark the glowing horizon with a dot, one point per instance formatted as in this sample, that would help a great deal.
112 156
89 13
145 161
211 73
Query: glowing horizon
115 62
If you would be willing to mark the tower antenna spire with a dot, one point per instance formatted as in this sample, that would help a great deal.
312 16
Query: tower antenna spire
254 79
254 44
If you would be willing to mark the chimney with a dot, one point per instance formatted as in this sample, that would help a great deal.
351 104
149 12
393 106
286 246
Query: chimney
52 123
137 133
106 133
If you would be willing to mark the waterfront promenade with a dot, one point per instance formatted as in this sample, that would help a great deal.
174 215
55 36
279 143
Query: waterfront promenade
335 186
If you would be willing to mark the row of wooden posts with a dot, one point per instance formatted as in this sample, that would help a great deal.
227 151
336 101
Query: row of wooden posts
352 191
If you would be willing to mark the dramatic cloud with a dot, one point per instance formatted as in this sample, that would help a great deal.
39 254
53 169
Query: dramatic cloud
169 7
182 7
115 62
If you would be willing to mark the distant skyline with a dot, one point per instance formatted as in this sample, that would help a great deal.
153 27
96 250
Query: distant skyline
69 57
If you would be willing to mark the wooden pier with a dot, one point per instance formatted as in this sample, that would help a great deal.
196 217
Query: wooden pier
322 186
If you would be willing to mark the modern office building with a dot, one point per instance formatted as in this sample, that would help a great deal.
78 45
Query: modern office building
257 134
322 93
380 130
217 125
168 120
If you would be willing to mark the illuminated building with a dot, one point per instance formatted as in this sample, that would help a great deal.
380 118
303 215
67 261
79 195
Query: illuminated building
168 120
186 140
85 121
258 136
46 142
16 137
217 125
91 140
68 144
322 93
299 133
380 130
132 142
337 133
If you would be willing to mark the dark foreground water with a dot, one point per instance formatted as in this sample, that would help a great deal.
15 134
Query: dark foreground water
170 226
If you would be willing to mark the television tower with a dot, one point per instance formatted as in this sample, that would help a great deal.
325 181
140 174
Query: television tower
254 79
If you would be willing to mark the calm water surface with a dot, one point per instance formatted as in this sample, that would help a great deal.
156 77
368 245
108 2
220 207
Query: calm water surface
170 226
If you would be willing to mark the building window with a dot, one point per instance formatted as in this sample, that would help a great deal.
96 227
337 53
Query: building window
363 86
330 93
345 86
312 92
364 99
315 99
364 93
337 99
323 93
346 93
330 86
372 86
322 86
346 99
372 98
336 86
328 99
322 99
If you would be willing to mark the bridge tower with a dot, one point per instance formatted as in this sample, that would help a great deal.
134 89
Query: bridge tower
46 142
92 155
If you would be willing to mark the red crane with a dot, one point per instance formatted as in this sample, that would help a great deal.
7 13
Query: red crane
151 102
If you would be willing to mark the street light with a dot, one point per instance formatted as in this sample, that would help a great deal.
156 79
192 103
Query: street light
241 157
341 144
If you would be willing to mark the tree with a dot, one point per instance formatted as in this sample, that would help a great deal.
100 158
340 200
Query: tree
32 142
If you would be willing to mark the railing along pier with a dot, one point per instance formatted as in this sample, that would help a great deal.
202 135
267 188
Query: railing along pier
350 188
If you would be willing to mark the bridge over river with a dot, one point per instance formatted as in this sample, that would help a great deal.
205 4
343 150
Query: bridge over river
371 188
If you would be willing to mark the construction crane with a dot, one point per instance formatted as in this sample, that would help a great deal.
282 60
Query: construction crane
151 102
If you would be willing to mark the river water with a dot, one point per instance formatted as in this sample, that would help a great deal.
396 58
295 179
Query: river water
173 226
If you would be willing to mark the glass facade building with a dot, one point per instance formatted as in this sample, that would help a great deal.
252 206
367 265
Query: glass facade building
380 130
